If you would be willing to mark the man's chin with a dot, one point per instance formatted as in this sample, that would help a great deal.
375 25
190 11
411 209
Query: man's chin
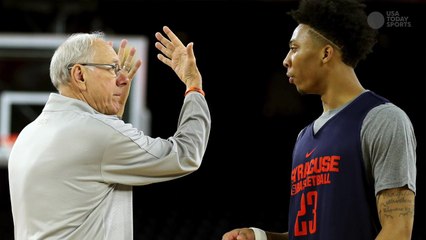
300 91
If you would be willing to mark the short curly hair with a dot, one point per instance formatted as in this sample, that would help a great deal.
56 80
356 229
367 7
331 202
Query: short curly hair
344 22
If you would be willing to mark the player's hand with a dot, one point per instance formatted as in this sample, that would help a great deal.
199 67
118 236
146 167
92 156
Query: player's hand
239 234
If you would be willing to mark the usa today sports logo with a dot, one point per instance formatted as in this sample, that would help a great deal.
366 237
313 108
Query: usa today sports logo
390 19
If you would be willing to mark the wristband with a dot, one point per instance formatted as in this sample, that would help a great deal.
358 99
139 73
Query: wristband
196 89
259 234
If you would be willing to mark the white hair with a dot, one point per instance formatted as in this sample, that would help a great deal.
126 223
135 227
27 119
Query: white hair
78 48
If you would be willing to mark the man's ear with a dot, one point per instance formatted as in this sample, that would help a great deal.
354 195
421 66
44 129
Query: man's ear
327 53
77 77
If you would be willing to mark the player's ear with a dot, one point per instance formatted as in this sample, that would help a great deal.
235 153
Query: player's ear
327 53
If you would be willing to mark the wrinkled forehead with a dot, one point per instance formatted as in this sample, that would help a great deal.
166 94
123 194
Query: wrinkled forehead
104 51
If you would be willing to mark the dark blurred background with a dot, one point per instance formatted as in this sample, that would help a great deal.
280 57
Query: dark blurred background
256 114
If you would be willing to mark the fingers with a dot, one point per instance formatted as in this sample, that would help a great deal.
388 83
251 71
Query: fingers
134 69
122 50
127 62
126 55
167 45
164 45
164 41
231 235
174 39
190 50
165 60
239 234
179 57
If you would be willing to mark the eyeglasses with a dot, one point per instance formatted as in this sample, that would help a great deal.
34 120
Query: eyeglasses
105 66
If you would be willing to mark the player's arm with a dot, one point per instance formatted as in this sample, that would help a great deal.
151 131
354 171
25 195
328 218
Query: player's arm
396 213
277 236
253 234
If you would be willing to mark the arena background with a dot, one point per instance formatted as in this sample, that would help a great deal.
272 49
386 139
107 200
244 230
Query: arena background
256 114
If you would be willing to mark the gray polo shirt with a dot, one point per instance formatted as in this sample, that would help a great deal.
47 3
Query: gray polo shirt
71 171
